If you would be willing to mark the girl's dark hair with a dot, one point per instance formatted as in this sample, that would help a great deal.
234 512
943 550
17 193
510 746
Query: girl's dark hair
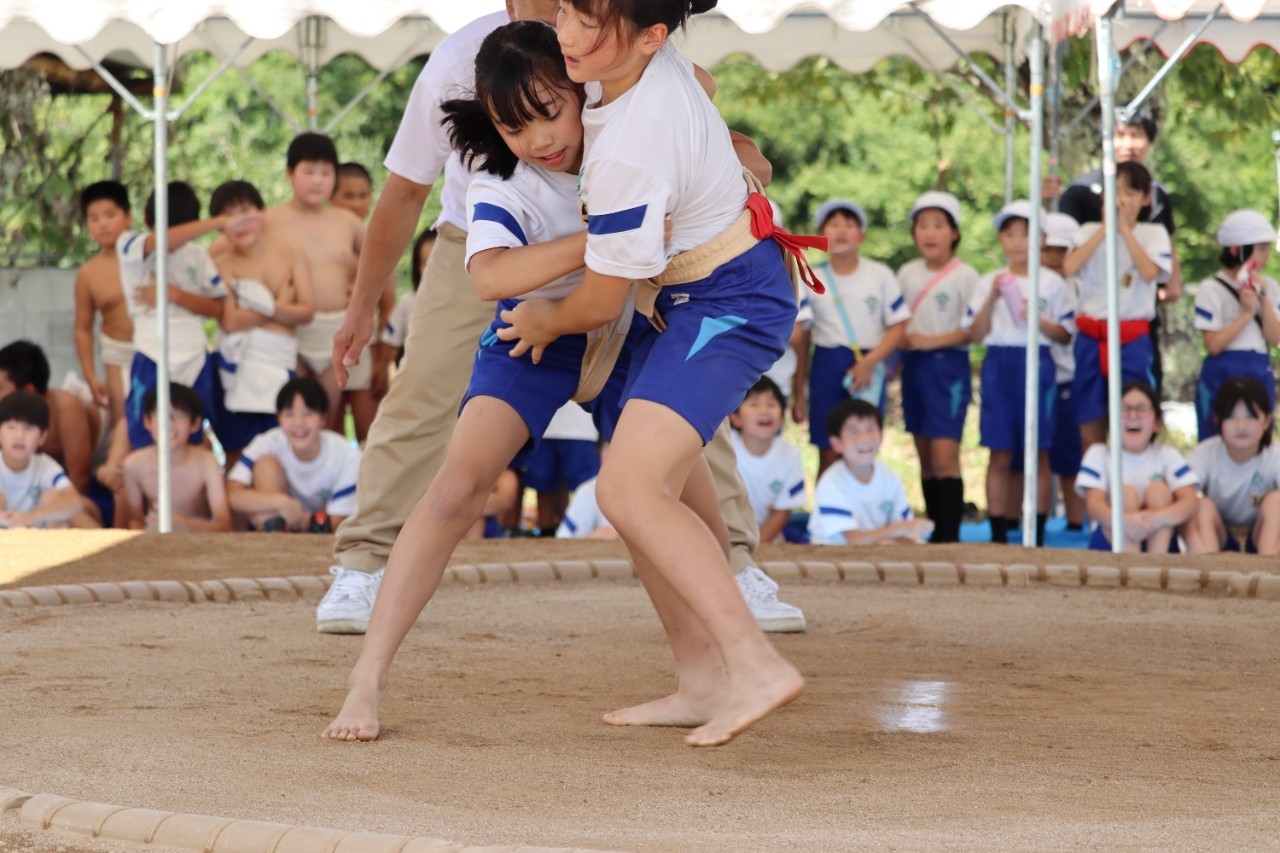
235 192
313 395
1243 389
415 262
1152 395
1230 258
628 17
514 62
184 205
1138 178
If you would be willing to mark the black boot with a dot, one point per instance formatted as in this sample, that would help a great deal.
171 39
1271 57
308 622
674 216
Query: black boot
1041 520
950 499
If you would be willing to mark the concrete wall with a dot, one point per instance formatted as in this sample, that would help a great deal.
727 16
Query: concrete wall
39 305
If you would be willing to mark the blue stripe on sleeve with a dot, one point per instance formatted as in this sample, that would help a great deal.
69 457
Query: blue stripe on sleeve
1182 472
835 510
1090 472
906 513
616 223
130 242
568 523
796 489
247 461
898 303
485 212
58 479
1201 312
342 493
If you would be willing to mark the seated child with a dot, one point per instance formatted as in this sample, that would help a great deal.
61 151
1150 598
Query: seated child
298 476
859 501
997 316
936 374
353 190
564 460
195 292
1239 471
34 490
1145 260
1159 487
396 329
106 211
583 519
1238 310
197 491
772 469
270 296
1065 452
857 324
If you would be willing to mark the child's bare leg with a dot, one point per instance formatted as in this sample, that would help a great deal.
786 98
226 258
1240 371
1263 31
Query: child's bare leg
268 478
489 434
1044 482
651 448
1132 503
1266 530
363 408
700 673
1093 432
1072 501
1157 496
115 393
1201 531
925 453
998 474
945 454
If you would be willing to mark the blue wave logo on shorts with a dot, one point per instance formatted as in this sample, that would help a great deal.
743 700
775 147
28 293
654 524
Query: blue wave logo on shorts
711 327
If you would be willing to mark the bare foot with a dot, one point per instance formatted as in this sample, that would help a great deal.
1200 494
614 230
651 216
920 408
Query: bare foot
749 702
674 710
358 719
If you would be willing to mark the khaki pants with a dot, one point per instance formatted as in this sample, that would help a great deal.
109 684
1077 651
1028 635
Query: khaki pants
411 431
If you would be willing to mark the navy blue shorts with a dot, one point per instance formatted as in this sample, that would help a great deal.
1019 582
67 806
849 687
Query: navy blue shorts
236 429
1002 414
937 387
722 334
557 461
1218 369
535 391
826 389
1090 386
1099 542
1065 452
142 378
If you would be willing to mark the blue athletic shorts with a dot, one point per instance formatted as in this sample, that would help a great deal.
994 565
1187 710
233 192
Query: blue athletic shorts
142 378
1090 386
1099 542
1065 452
535 391
937 387
826 388
561 460
1218 369
236 429
1002 414
722 334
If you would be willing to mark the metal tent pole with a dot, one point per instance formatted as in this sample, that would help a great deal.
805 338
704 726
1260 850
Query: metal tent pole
1031 453
1010 115
1055 117
160 78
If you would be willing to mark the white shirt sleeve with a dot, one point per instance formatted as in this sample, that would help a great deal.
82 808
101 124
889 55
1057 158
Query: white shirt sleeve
497 219
242 471
901 507
1177 472
397 328
421 145
895 309
977 298
832 516
208 280
1093 470
583 514
343 500
626 212
1201 461
1155 241
1209 316
793 494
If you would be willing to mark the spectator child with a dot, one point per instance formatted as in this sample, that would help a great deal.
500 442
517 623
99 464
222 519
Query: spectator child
1144 261
297 476
195 292
269 296
583 518
997 316
857 324
106 211
1158 486
34 490
1239 471
353 190
198 493
936 375
1065 451
859 500
564 460
1238 310
396 329
770 467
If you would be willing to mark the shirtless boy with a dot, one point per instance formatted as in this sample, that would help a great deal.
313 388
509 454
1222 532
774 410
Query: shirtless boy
198 491
331 239
269 297
106 211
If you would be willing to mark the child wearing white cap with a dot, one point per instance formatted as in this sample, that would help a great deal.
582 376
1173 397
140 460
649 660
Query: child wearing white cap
1238 310
857 324
936 377
997 316
1059 234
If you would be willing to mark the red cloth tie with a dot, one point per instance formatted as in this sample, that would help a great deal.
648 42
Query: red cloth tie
1130 331
763 227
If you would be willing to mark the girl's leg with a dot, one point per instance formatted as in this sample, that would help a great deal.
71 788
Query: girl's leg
826 458
998 512
488 435
1266 530
924 450
1093 432
652 450
1158 496
1132 503
1072 501
1201 531
944 461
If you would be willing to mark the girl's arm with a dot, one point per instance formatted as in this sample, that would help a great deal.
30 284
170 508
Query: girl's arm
773 525
800 381
931 342
1182 508
1145 267
537 322
981 325
1098 508
912 530
1217 341
1080 255
502 273
1270 319
203 305
64 507
1054 331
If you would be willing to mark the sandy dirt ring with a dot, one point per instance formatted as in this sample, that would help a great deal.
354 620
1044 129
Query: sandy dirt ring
937 714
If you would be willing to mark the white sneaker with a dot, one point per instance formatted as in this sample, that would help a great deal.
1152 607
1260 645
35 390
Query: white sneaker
761 594
346 607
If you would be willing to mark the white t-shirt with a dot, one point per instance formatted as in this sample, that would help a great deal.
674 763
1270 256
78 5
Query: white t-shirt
1137 297
872 300
1064 355
397 328
191 269
421 147
1235 489
1215 309
573 423
1159 463
774 480
843 503
660 150
942 310
532 206
22 489
783 371
327 482
1055 306
583 515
